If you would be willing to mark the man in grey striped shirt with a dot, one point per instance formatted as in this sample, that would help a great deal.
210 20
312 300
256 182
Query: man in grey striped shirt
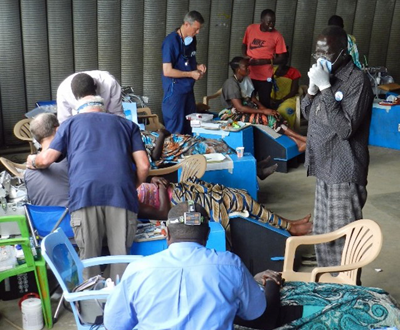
338 108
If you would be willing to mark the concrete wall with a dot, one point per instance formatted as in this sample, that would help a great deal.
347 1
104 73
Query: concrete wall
42 42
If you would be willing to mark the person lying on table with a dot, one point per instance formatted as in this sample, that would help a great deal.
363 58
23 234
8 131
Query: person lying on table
164 148
241 104
157 198
188 286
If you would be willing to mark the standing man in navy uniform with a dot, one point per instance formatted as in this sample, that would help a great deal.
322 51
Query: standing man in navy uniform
180 72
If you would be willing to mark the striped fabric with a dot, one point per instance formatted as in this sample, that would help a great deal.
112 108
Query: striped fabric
336 205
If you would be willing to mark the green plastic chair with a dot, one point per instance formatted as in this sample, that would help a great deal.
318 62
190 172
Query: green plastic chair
37 266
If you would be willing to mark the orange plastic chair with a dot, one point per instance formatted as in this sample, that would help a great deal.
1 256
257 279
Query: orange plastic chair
363 242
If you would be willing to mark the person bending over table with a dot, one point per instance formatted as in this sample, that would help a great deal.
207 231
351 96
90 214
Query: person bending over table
249 109
164 148
157 197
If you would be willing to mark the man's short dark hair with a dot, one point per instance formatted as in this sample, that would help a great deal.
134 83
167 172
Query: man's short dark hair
193 16
336 20
235 63
43 126
338 34
83 85
182 232
266 12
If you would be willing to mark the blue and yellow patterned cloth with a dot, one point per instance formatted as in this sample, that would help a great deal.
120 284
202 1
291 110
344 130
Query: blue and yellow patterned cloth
178 146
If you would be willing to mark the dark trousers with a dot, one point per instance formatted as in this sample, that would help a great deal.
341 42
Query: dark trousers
263 90
274 315
175 107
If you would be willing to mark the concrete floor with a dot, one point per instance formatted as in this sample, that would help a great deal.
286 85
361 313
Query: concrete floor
292 196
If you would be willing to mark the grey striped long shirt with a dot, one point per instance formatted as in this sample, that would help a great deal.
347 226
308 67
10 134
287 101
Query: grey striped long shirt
338 128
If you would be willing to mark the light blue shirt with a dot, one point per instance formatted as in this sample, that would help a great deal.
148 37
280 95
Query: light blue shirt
186 286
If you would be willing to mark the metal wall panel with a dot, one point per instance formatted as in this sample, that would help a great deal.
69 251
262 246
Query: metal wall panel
242 16
42 42
154 34
12 85
59 16
260 5
131 44
218 50
302 43
109 27
34 36
285 18
393 53
85 35
176 10
362 26
204 8
379 36
346 9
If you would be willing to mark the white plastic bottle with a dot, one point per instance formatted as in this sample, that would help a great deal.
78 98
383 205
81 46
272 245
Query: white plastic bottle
7 257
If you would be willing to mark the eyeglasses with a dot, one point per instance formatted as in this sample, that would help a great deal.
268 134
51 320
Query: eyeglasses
326 56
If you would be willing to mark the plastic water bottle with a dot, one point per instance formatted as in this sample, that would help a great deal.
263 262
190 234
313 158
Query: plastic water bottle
19 254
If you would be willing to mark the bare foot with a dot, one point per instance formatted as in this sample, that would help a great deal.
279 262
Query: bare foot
301 227
264 162
265 172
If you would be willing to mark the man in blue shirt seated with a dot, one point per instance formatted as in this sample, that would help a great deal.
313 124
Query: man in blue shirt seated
187 286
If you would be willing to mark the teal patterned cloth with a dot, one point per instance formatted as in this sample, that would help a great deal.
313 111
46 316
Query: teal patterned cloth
346 307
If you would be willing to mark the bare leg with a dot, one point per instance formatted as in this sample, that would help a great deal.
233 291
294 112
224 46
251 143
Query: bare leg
299 139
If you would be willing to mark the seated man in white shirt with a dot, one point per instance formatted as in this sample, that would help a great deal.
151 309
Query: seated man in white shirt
94 82
189 286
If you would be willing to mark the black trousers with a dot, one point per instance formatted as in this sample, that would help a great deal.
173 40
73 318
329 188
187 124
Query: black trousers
274 315
263 90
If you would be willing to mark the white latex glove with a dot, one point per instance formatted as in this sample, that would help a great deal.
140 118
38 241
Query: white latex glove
312 88
319 75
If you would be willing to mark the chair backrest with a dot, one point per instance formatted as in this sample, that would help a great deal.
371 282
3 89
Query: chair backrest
62 259
195 165
362 245
15 169
43 220
23 132
152 122
298 125
207 98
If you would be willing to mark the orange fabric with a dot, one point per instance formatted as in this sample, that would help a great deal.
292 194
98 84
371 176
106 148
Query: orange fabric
262 45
